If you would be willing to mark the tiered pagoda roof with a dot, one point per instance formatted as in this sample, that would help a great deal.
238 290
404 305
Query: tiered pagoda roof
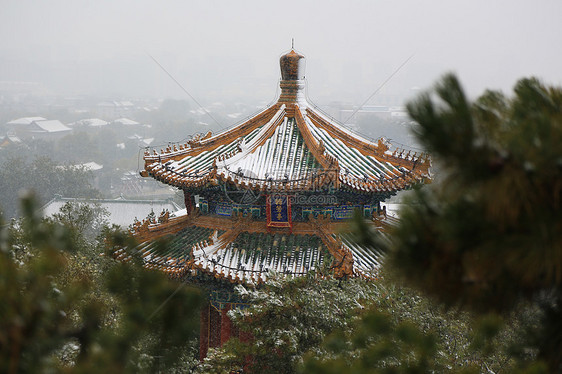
241 250
288 148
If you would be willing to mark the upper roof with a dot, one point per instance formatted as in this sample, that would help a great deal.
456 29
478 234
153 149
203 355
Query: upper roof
288 146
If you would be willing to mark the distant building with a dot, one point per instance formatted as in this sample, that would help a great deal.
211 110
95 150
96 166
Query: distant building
22 123
125 122
91 166
90 122
142 142
9 139
37 127
47 129
132 184
114 109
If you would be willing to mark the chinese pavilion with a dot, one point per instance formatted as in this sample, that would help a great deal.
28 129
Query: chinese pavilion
273 193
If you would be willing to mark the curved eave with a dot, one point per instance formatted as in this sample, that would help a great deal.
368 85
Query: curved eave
246 251
360 185
364 165
266 143
209 142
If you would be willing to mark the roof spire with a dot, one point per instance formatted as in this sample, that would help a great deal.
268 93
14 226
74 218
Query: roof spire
292 43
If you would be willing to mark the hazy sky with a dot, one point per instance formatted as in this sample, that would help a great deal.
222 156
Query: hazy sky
229 50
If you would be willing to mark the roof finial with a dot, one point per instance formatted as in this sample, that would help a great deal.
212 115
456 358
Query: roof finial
292 43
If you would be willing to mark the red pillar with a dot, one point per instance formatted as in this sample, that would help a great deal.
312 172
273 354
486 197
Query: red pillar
204 332
226 325
246 337
187 201
215 327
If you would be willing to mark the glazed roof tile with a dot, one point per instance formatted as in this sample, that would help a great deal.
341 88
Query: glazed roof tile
286 149
177 248
252 255
248 256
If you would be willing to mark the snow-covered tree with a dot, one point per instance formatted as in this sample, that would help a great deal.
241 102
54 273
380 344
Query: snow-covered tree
66 309
286 319
323 325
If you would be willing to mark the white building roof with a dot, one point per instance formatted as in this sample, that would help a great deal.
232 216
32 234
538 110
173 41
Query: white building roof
10 138
50 126
25 121
92 166
91 122
126 121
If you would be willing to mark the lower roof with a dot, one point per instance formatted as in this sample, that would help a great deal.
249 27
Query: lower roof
244 253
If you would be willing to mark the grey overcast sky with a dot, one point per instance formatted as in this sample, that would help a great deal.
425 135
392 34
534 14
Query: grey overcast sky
229 50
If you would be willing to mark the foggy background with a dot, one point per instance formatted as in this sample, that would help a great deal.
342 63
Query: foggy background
81 98
229 50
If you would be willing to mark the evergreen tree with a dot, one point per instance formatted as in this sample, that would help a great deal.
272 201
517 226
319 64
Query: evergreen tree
43 176
488 235
285 319
66 309
356 325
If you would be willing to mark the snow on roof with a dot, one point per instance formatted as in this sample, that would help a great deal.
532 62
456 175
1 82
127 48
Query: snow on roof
91 122
13 138
25 121
10 138
126 121
122 211
51 126
92 166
